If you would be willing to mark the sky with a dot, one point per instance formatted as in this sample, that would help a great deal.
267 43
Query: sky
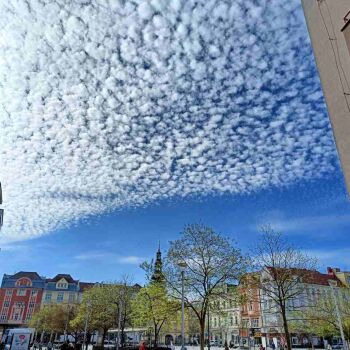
122 121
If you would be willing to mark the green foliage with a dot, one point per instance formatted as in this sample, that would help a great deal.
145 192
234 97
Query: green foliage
54 318
321 318
152 308
100 303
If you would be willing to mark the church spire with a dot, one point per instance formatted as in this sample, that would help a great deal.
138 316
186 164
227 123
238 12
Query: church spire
158 267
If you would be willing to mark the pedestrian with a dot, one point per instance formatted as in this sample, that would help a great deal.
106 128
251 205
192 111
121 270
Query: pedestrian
142 346
49 345
261 347
273 346
64 346
329 346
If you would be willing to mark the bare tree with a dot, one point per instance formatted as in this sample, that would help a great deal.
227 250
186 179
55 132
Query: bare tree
283 269
212 262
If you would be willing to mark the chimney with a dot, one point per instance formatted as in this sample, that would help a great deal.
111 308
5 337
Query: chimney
330 271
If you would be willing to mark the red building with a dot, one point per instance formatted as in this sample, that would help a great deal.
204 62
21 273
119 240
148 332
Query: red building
20 297
250 310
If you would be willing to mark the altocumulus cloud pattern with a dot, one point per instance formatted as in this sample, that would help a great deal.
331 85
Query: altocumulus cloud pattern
108 104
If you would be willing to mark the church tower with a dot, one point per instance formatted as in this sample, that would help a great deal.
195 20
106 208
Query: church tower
158 268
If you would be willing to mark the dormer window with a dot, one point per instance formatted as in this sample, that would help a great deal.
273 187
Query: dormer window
62 285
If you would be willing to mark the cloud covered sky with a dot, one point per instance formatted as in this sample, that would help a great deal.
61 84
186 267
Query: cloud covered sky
114 104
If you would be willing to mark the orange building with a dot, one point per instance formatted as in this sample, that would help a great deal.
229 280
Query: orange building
250 311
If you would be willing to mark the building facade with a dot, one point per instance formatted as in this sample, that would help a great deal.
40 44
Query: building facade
20 296
343 276
225 318
61 289
328 22
315 285
24 293
250 312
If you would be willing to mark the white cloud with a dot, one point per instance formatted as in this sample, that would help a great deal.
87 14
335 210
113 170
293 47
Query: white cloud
133 260
333 257
104 106
111 257
316 224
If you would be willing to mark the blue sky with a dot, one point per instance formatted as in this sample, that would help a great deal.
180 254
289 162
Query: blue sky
122 122
314 215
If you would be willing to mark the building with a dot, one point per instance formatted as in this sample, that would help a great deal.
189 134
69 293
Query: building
20 296
314 286
328 22
158 275
61 289
225 317
343 276
250 311
24 293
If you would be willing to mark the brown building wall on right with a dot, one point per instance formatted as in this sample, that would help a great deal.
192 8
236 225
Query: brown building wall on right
326 20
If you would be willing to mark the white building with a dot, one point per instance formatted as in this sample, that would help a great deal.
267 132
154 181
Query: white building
225 318
314 287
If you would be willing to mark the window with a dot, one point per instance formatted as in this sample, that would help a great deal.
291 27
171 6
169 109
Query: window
250 306
3 317
236 319
255 322
21 292
31 305
6 303
48 297
245 323
20 304
34 293
24 282
71 298
59 297
62 285
231 321
8 292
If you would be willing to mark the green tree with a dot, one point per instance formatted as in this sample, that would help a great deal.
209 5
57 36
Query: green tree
212 261
321 319
55 318
102 303
152 308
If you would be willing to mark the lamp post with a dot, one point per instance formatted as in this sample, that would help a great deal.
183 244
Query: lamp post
88 306
119 321
182 265
208 325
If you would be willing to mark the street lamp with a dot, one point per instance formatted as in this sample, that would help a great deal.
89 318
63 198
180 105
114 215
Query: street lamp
88 306
208 325
182 265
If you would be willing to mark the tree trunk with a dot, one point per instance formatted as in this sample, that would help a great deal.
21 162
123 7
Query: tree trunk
103 337
285 327
202 333
155 343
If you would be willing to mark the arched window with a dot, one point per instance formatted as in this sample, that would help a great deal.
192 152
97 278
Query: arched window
23 282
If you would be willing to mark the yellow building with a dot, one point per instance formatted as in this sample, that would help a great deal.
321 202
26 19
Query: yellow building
62 289
343 276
